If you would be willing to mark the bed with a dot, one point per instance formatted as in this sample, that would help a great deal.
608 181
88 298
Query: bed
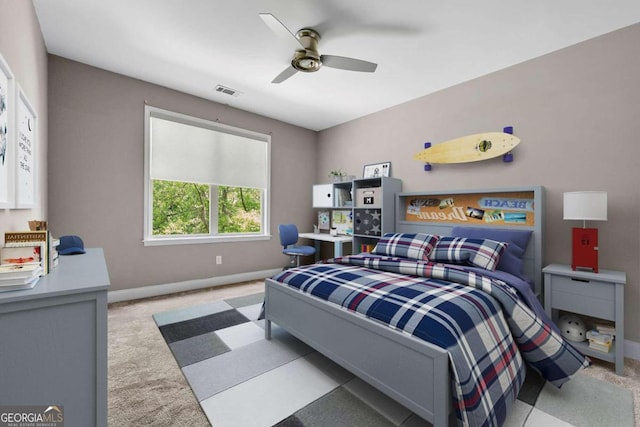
388 317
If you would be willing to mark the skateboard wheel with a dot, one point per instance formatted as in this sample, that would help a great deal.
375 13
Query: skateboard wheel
507 158
427 145
427 167
508 129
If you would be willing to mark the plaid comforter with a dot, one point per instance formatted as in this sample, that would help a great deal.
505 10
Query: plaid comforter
481 322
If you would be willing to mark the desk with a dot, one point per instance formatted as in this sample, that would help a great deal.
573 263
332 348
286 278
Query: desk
338 241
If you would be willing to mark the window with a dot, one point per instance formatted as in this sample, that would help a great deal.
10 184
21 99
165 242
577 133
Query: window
204 182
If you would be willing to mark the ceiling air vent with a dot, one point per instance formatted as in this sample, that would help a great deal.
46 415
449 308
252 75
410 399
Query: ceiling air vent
227 90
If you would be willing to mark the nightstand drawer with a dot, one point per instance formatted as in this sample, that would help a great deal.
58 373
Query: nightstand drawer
590 297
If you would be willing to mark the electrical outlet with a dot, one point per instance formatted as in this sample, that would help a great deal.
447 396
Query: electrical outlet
218 259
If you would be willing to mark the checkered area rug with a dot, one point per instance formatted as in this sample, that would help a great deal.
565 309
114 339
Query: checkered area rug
240 379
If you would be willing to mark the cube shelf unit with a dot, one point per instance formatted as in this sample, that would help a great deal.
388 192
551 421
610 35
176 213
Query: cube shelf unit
333 196
373 209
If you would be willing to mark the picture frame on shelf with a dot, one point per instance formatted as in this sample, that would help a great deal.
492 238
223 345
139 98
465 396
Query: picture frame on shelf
377 170
324 220
342 221
7 132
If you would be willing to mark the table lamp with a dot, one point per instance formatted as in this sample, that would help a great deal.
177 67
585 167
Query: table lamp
585 206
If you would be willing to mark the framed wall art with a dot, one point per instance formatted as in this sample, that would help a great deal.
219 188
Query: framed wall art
7 125
377 170
26 146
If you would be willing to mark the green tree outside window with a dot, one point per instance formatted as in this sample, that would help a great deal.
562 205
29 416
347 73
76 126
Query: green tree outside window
183 208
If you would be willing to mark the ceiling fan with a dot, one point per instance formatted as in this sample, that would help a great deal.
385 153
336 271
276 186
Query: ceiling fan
306 57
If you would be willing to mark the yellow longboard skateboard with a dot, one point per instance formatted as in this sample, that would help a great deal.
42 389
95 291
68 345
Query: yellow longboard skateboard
470 148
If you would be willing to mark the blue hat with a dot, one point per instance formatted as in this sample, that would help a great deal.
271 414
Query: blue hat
70 245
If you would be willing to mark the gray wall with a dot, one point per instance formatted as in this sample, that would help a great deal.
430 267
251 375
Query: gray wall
23 48
577 112
96 176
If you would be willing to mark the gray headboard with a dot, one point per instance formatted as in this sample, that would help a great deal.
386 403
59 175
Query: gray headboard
437 212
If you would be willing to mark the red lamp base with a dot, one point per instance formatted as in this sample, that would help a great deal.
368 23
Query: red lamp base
585 249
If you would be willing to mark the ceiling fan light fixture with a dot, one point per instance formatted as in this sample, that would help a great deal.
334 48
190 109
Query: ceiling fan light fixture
303 61
307 60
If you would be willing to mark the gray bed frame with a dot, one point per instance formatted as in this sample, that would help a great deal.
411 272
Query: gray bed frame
384 358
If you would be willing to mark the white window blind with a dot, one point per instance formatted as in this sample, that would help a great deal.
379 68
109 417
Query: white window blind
186 149
199 154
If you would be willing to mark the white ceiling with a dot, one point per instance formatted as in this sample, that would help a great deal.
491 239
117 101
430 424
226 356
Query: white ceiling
420 46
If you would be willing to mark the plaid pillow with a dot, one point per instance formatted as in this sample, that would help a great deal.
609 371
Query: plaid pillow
414 246
482 253
511 260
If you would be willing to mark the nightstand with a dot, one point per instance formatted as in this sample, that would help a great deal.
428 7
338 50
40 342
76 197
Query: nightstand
599 295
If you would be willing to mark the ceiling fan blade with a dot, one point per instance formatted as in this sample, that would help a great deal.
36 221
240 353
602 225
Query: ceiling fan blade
350 64
284 75
281 31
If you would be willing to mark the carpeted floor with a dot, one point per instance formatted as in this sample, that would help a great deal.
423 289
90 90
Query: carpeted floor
147 387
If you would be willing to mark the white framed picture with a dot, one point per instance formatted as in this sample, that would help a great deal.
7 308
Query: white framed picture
26 146
377 170
7 138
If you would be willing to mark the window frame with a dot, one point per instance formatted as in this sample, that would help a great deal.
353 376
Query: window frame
149 239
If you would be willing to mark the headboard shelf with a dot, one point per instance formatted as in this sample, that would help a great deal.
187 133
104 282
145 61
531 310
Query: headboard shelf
439 211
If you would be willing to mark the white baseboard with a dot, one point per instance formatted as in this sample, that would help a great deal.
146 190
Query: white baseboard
189 285
632 349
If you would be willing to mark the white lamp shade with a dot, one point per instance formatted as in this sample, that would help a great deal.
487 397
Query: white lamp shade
585 205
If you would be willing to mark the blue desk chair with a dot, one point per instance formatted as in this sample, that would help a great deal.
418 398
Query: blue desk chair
289 238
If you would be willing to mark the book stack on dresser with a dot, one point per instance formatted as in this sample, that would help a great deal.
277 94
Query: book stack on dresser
25 257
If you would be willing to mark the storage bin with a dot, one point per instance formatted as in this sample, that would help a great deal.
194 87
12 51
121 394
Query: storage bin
369 197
